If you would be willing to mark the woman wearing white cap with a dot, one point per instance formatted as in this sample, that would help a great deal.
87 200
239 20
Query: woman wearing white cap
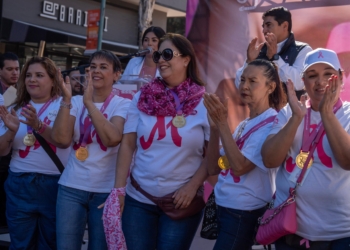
322 123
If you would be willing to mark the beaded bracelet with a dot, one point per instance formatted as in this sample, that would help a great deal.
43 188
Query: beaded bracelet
42 128
65 105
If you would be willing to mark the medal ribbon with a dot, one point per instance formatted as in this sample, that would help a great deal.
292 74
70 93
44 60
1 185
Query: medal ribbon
308 138
85 128
240 141
41 111
177 103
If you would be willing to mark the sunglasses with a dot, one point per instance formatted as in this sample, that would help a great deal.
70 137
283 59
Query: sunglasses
166 54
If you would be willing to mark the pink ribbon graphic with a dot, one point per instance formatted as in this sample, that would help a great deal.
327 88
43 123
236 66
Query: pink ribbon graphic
306 241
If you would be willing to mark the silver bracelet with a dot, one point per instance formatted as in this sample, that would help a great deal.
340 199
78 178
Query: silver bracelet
66 105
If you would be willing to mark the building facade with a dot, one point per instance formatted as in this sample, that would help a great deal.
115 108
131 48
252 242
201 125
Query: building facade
62 24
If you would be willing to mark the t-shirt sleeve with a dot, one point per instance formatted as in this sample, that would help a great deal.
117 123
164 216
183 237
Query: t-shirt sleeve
206 126
122 107
76 103
133 115
252 148
280 120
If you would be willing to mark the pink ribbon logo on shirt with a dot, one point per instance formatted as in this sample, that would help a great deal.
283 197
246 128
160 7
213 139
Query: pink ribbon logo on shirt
320 55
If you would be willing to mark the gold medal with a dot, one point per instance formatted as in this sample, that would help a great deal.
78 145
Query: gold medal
223 163
29 140
179 121
301 159
82 154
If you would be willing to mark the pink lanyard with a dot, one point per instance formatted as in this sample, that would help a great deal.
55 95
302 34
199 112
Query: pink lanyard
41 111
85 128
240 141
308 138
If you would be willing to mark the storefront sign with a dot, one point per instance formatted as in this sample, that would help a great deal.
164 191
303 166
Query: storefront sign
93 18
66 14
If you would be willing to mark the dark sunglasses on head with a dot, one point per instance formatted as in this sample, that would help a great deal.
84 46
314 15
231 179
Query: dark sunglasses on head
166 54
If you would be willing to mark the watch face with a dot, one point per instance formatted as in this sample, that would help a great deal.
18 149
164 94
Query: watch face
275 57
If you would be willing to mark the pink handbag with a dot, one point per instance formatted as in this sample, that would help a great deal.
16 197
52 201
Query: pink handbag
279 221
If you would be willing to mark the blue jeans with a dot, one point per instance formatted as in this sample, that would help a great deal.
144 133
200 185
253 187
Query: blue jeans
340 244
147 227
31 210
75 208
237 228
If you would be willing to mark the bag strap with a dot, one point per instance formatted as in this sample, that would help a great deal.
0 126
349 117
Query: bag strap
49 151
138 188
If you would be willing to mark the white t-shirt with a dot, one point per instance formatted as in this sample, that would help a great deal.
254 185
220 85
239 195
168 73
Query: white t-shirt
1 100
323 201
97 172
34 158
167 157
254 189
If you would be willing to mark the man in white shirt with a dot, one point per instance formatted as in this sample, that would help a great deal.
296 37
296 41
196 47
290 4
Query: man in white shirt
279 47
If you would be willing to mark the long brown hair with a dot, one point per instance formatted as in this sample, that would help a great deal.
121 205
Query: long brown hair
23 96
186 49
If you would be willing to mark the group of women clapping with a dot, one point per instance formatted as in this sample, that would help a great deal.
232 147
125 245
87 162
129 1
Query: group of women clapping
162 146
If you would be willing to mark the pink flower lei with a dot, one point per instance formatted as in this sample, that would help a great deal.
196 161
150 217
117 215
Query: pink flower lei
157 100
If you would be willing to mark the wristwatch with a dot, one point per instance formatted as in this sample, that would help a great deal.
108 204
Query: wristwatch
275 57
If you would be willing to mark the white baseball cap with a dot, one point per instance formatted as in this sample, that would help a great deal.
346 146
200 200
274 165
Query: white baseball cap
321 55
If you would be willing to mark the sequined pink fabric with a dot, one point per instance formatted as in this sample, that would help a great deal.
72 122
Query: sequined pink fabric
157 100
112 221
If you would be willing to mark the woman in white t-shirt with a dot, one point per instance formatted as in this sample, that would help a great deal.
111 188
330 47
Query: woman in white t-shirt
167 126
322 199
32 183
244 185
144 66
92 126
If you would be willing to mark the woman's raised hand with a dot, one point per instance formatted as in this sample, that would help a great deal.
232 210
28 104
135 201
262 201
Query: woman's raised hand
32 120
331 94
298 107
87 98
65 86
10 120
217 110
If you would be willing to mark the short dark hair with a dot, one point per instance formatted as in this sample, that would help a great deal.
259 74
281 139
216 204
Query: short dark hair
281 14
185 49
7 56
158 31
109 56
278 98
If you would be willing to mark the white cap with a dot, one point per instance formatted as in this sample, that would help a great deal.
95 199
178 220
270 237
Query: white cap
321 55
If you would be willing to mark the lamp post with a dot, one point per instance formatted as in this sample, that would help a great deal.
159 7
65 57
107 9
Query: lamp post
101 24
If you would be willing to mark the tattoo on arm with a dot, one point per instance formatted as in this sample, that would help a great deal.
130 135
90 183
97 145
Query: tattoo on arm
10 142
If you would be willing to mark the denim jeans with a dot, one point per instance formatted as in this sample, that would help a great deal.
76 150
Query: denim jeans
31 210
236 228
340 244
147 227
75 208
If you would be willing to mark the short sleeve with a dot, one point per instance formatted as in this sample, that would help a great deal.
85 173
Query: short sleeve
280 120
252 148
133 115
122 108
76 103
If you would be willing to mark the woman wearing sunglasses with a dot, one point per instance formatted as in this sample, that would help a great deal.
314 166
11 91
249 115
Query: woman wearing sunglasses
167 126
144 66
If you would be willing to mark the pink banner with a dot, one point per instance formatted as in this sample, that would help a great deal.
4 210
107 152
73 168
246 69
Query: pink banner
220 31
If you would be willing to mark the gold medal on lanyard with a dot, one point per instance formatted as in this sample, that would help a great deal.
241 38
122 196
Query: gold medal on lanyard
179 121
29 140
301 159
223 163
82 154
